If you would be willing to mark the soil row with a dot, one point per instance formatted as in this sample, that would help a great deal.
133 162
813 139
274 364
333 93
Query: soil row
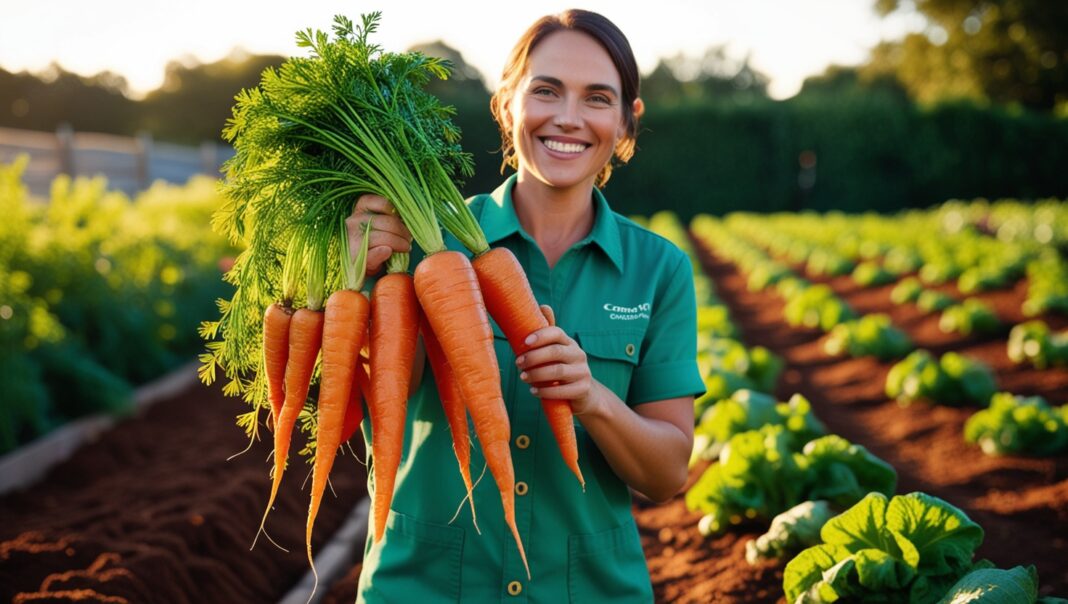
155 512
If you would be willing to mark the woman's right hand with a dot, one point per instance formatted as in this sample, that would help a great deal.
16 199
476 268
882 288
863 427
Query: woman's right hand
388 233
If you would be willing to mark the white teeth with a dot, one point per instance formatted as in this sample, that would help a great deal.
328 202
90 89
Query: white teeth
564 147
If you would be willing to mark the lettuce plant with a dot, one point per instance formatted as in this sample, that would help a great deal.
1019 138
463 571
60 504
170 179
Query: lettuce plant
750 410
1017 424
911 548
951 380
761 474
870 335
793 530
1033 342
969 316
871 273
1018 585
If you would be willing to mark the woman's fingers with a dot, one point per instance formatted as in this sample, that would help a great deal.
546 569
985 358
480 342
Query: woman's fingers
376 257
387 234
375 204
380 223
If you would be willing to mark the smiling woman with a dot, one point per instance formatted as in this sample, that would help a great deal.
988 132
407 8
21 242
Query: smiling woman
619 350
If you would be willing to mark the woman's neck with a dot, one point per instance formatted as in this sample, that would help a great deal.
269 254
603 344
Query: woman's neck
555 218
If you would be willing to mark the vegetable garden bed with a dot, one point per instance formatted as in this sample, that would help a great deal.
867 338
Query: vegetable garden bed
153 512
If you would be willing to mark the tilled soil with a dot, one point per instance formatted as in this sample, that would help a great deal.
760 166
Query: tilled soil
1021 502
154 512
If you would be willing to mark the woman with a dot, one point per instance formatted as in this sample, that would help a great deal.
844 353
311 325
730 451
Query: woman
622 352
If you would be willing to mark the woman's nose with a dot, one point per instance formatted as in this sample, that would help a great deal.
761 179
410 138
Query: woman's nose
568 117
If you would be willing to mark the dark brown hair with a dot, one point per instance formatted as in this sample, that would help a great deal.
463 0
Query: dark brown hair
610 38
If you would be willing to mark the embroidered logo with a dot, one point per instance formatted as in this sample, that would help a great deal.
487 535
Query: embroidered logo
617 312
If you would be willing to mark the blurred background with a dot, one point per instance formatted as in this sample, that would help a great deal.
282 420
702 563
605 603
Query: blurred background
835 104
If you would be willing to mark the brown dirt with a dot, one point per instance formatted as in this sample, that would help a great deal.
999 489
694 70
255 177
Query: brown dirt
1021 502
154 512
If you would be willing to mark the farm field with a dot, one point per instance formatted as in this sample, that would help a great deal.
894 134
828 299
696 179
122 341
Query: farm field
153 511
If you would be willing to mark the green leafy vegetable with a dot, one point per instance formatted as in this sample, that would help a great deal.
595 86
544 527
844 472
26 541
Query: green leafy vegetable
1017 424
911 548
793 530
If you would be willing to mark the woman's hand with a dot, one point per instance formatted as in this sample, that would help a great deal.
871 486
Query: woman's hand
556 367
388 233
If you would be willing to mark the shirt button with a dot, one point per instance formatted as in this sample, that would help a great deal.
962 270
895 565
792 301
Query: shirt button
515 588
521 488
630 350
522 441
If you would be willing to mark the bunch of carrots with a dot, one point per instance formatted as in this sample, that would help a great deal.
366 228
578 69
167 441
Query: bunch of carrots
317 133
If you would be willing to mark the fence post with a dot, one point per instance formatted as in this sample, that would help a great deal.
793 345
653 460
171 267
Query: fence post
65 148
142 157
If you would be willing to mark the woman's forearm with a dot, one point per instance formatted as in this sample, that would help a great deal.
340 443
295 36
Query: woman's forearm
650 454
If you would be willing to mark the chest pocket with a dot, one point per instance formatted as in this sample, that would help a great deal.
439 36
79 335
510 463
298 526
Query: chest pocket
612 356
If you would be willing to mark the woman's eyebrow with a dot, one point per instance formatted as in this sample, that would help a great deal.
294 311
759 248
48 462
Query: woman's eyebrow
559 84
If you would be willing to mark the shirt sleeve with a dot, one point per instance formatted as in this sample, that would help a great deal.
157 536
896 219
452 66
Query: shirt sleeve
668 366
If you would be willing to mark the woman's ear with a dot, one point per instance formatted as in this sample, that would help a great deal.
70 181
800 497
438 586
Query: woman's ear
638 108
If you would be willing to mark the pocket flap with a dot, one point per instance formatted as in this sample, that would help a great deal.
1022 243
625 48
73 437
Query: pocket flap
617 344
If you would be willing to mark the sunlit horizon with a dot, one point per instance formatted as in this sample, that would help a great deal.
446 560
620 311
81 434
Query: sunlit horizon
788 42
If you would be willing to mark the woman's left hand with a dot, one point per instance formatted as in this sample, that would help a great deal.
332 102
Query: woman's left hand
556 367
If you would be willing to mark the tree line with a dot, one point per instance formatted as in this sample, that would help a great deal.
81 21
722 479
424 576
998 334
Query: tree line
974 104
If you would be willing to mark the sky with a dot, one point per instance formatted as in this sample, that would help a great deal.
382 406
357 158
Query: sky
787 40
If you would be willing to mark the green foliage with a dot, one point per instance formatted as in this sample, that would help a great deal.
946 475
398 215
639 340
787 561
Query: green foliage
870 274
906 290
728 366
1017 424
972 315
1018 585
791 531
98 293
931 300
951 380
870 335
316 133
912 548
817 307
1002 52
761 474
1033 342
1047 289
748 410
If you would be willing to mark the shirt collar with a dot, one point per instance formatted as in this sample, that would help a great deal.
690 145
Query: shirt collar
499 221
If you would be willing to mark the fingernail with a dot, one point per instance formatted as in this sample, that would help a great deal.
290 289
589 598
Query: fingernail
523 376
533 390
531 339
519 361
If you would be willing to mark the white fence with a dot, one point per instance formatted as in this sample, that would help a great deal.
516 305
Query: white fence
130 164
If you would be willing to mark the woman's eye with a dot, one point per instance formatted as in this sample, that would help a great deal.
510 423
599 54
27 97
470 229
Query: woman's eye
543 91
600 99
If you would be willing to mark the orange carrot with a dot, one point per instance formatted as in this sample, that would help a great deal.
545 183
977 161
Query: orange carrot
305 339
344 326
394 332
449 294
511 303
453 404
276 321
354 412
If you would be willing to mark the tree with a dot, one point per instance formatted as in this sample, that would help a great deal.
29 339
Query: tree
1000 51
712 77
195 99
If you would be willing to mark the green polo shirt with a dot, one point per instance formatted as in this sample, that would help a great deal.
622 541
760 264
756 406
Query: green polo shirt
626 295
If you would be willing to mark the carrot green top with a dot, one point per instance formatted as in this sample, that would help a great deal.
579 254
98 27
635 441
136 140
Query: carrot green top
627 296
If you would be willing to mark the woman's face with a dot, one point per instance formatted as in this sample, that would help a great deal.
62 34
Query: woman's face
566 111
